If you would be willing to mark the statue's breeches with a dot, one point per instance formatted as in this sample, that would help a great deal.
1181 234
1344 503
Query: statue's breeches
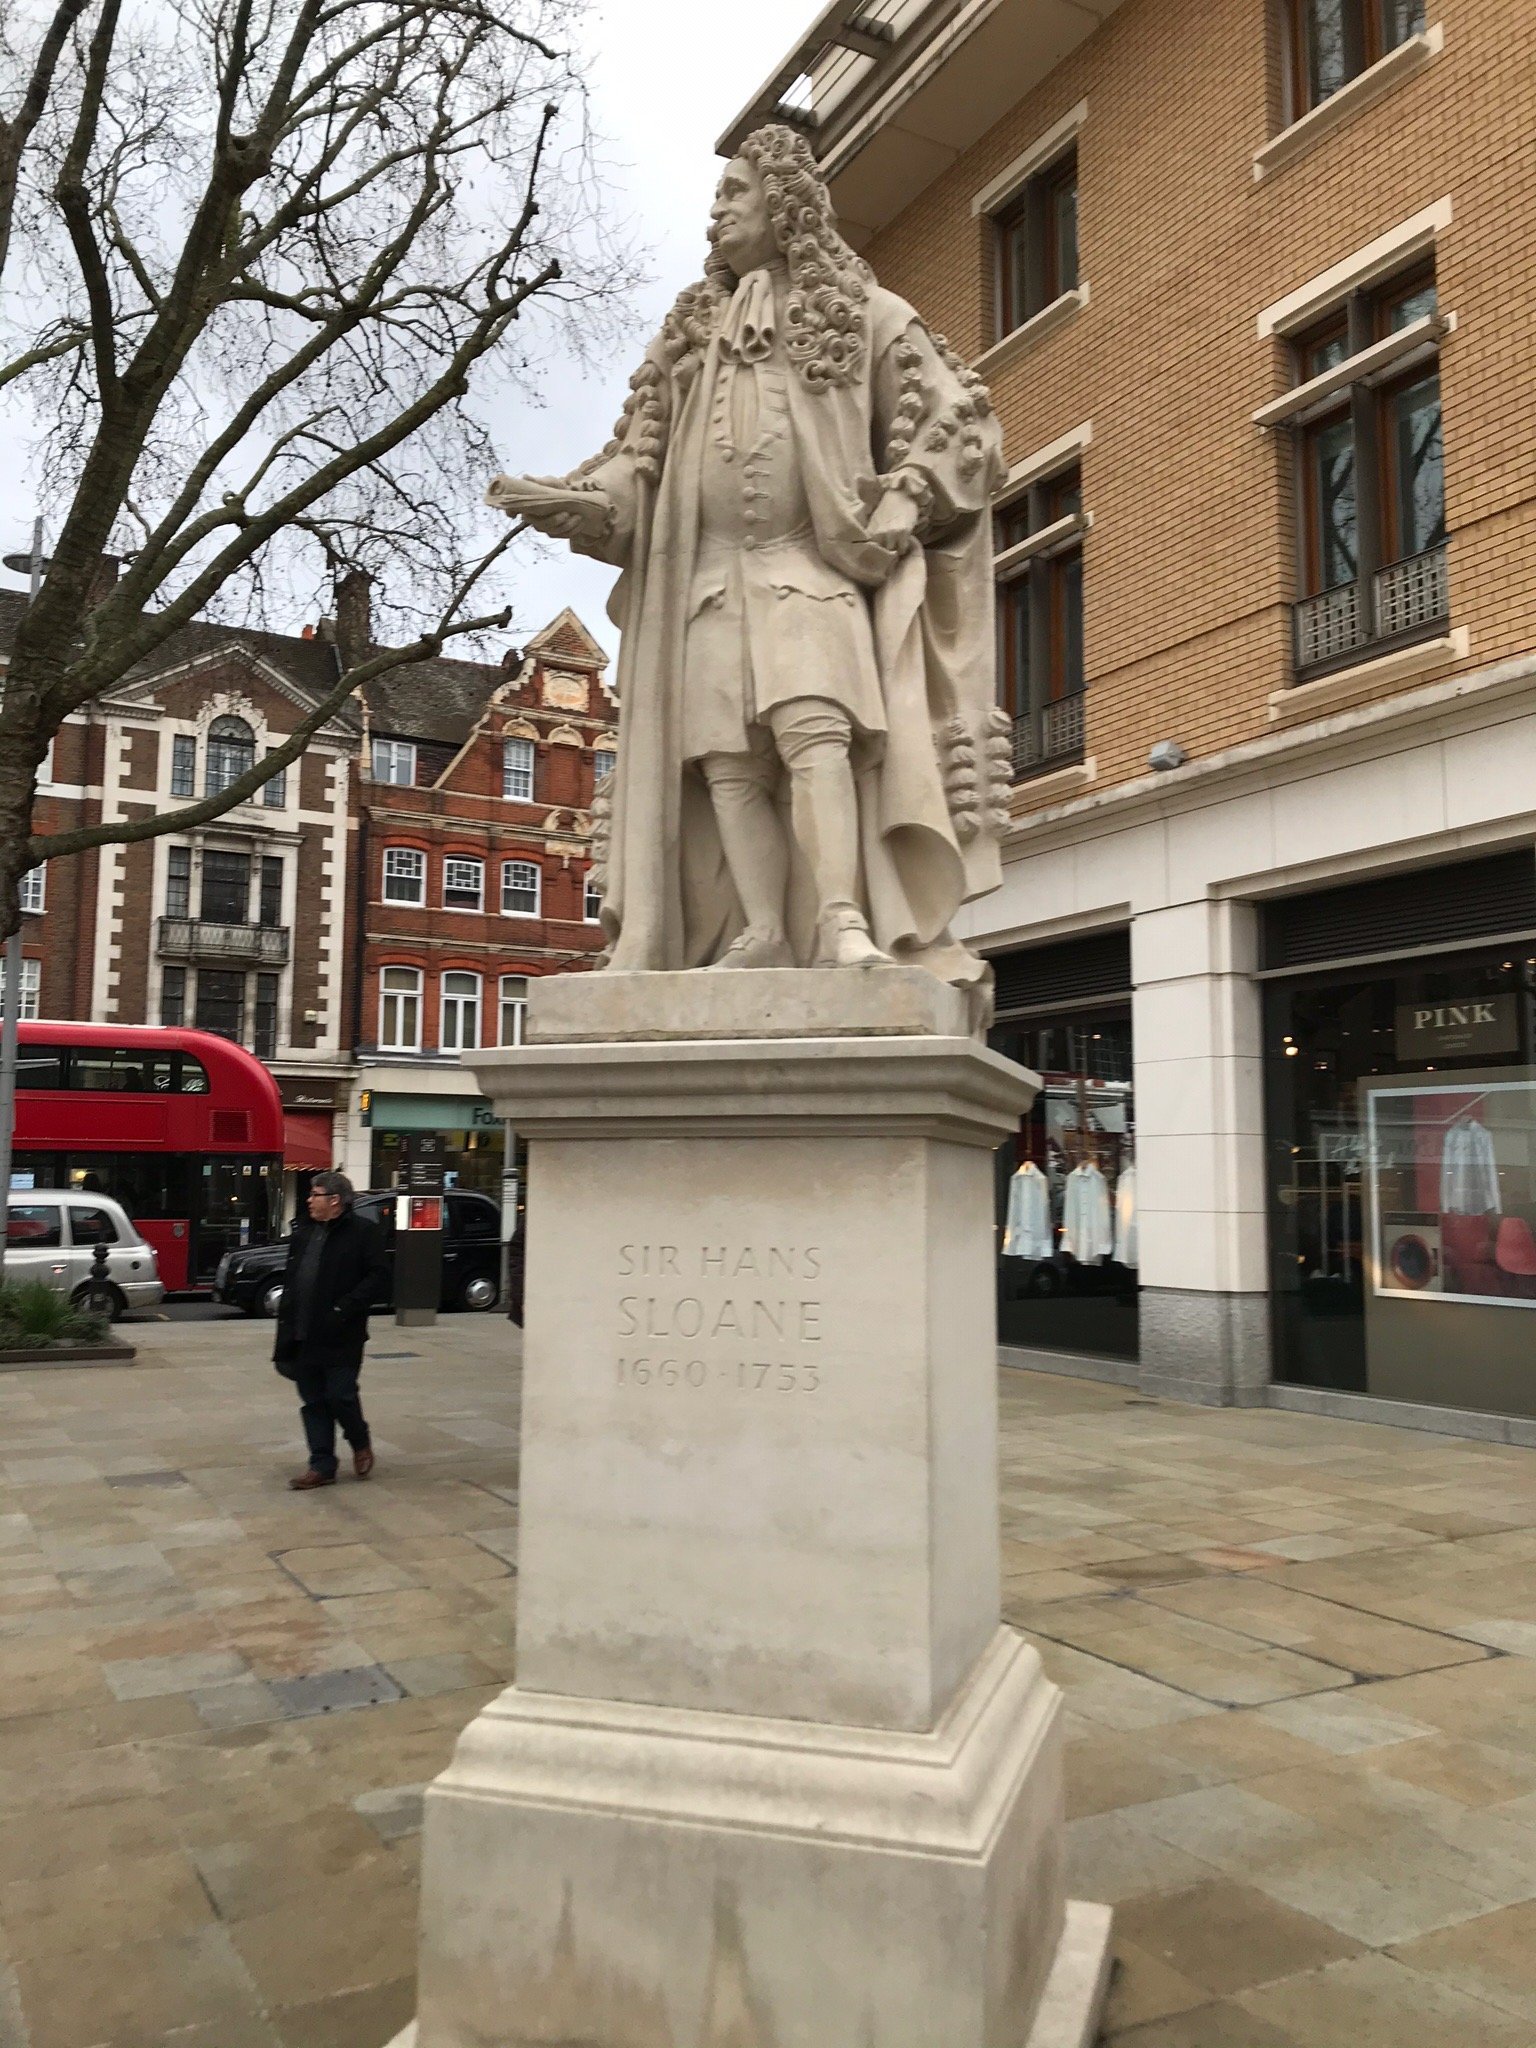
767 625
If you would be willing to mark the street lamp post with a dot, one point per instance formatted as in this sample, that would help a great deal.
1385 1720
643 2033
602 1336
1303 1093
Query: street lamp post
10 1014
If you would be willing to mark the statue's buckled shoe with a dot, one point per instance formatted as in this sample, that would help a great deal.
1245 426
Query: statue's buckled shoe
757 948
845 941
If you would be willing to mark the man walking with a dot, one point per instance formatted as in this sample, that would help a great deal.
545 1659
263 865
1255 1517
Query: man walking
336 1272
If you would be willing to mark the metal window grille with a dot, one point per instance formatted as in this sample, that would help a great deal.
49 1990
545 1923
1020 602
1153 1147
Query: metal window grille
1050 737
1413 593
1328 625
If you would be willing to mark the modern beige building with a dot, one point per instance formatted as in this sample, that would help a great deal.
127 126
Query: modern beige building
1253 284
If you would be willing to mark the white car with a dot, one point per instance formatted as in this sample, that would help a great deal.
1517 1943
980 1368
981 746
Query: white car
51 1234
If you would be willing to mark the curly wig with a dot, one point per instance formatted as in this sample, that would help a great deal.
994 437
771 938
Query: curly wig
827 313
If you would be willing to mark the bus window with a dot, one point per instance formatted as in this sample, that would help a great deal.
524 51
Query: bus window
40 1066
120 1071
194 1076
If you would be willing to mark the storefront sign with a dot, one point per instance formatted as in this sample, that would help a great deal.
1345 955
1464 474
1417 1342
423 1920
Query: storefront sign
1476 1026
432 1113
306 1094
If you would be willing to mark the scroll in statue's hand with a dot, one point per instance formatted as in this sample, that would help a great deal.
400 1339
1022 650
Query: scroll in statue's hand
557 509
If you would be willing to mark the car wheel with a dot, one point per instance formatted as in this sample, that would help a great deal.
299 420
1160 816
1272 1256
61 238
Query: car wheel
109 1301
271 1298
479 1293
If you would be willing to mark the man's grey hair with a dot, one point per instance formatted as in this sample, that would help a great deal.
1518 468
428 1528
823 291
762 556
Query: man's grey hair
335 1184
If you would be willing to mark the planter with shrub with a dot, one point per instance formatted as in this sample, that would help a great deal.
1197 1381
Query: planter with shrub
39 1327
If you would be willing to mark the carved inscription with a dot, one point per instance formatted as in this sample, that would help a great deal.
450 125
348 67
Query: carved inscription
740 1317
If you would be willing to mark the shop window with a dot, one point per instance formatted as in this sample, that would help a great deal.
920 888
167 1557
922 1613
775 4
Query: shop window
459 1019
517 770
405 875
264 1041
1039 554
463 884
1371 465
520 888
1035 245
513 1008
394 761
173 995
33 890
31 982
178 881
231 754
1333 41
183 764
226 889
1069 1253
221 1003
400 1009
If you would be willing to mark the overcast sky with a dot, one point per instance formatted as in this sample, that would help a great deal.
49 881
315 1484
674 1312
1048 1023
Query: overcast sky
666 77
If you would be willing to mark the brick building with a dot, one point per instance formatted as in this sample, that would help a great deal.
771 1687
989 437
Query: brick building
474 800
1253 284
235 926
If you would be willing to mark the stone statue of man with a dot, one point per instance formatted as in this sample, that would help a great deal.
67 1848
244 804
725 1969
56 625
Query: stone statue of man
811 768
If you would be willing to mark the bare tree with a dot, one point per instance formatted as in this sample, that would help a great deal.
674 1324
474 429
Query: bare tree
253 254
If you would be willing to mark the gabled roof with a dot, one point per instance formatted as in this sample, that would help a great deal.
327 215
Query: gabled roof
565 638
439 700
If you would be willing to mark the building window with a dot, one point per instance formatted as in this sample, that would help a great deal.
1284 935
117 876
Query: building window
1371 476
1036 244
463 884
33 889
459 1023
1039 543
178 881
221 1003
400 1009
591 898
226 894
270 894
517 770
274 791
513 1008
394 761
231 754
183 764
520 888
405 875
1333 41
31 982
603 759
264 1045
173 995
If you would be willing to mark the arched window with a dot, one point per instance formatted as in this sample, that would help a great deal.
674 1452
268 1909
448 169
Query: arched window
231 751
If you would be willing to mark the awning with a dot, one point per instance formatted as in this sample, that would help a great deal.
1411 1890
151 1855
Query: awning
307 1139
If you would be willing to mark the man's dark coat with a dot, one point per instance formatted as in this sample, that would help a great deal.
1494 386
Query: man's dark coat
353 1275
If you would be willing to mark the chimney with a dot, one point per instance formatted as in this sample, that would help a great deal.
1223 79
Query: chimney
354 617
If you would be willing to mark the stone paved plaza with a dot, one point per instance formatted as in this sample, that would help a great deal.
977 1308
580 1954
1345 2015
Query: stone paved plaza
1299 1654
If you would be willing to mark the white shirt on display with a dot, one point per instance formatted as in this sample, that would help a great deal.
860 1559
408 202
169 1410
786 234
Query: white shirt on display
1087 1230
1028 1234
1469 1174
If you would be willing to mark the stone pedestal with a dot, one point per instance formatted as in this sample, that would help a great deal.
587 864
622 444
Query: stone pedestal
772 1774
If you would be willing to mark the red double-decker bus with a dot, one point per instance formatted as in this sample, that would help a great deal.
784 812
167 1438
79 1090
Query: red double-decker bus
183 1128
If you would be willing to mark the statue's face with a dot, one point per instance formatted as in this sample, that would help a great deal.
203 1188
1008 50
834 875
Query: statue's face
740 225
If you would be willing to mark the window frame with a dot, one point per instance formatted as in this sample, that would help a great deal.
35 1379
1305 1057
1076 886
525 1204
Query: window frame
234 975
1363 28
529 758
217 750
591 899
270 880
404 997
1027 271
517 1005
183 764
414 853
33 891
599 754
211 856
173 997
31 987
507 887
266 1013
460 1000
178 882
274 791
1034 593
398 753
466 861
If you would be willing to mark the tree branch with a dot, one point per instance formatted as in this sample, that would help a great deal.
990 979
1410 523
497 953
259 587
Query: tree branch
16 133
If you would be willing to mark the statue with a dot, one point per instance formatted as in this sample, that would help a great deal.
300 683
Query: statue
811 766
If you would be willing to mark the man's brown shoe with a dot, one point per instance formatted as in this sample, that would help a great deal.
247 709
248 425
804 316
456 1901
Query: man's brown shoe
362 1462
305 1481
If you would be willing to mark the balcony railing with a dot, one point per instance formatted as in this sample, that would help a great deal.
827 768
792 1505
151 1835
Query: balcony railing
1405 598
1050 737
241 945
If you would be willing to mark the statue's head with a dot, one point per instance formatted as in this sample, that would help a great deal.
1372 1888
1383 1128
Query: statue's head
772 203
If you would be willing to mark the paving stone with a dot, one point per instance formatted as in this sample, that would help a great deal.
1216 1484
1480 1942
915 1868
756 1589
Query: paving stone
393 1812
330 1692
143 1678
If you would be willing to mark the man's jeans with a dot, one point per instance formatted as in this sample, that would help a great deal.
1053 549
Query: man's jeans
330 1402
